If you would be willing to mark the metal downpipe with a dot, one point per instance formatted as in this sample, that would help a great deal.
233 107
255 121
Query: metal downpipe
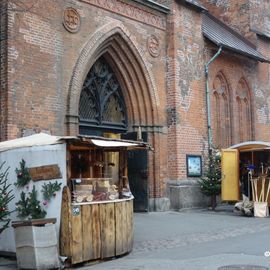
208 104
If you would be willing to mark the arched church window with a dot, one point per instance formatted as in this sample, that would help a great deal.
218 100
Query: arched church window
101 107
221 112
244 112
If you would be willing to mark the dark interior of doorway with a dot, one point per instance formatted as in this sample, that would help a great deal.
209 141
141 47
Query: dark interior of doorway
257 161
138 173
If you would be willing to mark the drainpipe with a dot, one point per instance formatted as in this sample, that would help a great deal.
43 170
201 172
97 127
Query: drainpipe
208 106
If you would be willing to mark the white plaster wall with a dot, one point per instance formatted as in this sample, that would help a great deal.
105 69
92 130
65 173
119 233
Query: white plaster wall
34 156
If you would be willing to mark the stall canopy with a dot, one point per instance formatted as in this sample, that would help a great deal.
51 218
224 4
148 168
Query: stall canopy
114 143
251 146
230 159
45 139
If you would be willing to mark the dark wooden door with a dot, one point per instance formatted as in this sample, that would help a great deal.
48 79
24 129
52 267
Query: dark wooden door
138 174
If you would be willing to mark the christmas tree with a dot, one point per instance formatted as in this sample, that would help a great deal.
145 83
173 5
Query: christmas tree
5 198
210 183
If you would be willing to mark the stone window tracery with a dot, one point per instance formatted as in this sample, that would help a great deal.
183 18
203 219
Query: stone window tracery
101 102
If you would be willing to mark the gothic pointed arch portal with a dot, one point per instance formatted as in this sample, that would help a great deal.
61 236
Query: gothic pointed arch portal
102 106
115 44
141 107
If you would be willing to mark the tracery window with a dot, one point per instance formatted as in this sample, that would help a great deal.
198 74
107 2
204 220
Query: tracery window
244 119
221 112
101 106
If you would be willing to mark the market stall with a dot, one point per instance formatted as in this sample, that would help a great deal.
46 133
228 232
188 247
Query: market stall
94 206
246 170
97 204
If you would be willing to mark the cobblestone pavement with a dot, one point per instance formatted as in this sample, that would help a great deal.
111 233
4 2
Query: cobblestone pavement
190 240
195 240
175 241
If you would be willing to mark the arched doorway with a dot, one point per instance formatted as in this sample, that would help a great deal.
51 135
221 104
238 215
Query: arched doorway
115 44
102 112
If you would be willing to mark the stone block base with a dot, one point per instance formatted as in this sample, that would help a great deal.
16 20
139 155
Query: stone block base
159 204
186 194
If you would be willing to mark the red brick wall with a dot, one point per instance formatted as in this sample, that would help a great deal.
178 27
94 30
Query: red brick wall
48 64
165 94
236 14
187 133
3 70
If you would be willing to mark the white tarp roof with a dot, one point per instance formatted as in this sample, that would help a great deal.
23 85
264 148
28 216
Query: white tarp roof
32 140
251 146
113 143
45 139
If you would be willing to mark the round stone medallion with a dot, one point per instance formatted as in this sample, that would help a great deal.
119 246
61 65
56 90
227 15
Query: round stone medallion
71 20
153 46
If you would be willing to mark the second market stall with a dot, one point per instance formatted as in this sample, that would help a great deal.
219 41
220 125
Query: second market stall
246 170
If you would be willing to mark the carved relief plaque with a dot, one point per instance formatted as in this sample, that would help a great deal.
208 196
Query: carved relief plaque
71 20
153 46
131 11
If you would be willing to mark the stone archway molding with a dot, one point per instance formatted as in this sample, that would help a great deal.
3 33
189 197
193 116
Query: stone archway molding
91 51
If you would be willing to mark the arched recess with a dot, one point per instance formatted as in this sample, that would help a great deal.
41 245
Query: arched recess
221 111
244 119
114 43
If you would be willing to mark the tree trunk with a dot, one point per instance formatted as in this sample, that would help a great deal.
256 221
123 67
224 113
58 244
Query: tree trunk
213 202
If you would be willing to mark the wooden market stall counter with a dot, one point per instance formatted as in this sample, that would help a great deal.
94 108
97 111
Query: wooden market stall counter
95 230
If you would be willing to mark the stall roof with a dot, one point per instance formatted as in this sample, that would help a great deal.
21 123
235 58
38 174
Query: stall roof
251 146
45 139
115 143
28 141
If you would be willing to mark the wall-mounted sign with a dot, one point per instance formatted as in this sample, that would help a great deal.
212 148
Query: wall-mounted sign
47 172
75 210
71 20
194 166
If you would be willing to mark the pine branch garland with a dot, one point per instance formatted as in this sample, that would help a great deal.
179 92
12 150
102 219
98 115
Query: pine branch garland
49 190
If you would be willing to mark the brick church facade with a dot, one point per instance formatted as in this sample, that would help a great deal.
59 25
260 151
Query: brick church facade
186 73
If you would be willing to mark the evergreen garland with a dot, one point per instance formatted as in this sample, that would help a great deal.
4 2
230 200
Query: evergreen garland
5 198
23 175
49 190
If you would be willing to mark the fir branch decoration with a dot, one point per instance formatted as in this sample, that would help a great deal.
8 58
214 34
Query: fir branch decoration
5 197
23 175
22 206
49 190
29 206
